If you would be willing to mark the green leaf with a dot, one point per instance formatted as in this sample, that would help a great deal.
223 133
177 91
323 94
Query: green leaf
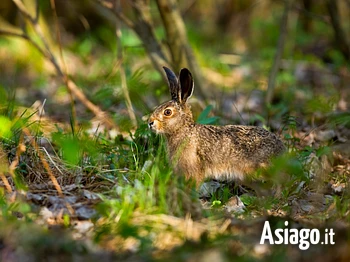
71 151
204 118
5 127
247 199
323 150
216 203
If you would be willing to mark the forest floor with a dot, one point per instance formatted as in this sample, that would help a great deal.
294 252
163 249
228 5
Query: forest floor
93 210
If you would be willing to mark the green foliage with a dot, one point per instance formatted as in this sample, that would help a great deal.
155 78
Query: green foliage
322 104
3 95
5 127
10 211
340 119
105 95
342 204
265 27
152 190
216 203
248 200
337 57
204 117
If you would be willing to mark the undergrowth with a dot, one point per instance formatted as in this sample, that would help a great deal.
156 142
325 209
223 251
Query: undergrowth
141 202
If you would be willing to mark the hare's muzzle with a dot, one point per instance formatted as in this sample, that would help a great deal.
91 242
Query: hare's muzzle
151 123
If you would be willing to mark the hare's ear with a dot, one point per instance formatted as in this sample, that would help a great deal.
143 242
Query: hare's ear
173 84
186 84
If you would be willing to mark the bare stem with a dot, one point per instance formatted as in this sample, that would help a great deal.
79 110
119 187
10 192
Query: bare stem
48 169
121 69
6 182
27 38
3 163
278 56
144 29
65 78
47 53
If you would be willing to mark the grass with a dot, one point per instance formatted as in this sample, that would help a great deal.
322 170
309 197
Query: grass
141 206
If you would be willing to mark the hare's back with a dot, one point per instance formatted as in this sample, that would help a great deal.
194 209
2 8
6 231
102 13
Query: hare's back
255 140
247 141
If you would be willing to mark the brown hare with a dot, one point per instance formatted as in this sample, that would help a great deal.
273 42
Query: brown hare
198 151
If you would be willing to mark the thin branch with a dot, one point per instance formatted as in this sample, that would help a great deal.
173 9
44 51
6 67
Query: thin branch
6 182
65 79
9 33
101 115
278 56
47 169
24 10
121 69
120 15
51 160
21 148
3 162
37 10
303 11
144 30
25 37
47 53
53 7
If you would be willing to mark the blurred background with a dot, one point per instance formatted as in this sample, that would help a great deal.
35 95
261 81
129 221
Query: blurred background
113 51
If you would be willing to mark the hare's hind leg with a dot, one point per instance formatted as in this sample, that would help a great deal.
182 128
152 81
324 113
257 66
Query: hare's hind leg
194 179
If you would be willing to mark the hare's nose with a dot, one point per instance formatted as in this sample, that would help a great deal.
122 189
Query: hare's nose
150 124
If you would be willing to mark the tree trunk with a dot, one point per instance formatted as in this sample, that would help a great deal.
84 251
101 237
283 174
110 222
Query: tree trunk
339 34
180 49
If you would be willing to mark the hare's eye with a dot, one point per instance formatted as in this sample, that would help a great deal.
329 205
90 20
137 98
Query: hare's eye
167 112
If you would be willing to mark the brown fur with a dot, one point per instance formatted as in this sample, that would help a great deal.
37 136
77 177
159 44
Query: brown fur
200 151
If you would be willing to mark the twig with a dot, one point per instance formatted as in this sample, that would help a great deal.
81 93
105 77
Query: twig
53 7
48 169
47 53
278 55
120 15
6 182
9 33
3 163
27 38
20 149
39 33
44 162
144 30
306 13
50 158
121 69
37 10
23 10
